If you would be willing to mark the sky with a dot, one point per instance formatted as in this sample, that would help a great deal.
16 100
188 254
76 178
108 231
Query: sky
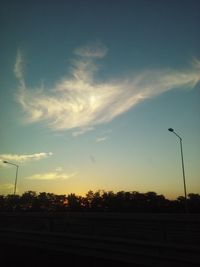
88 90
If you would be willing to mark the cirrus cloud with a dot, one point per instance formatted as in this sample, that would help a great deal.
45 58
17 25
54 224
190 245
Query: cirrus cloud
80 102
101 139
55 175
97 50
24 157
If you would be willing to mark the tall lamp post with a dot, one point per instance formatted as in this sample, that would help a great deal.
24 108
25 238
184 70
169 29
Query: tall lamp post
17 167
183 169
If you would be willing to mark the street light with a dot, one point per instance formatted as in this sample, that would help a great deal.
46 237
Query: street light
183 169
17 167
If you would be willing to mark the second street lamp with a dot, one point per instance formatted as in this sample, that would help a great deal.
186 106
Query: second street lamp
183 169
17 167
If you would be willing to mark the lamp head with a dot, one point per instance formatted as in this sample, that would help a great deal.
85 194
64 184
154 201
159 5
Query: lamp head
170 129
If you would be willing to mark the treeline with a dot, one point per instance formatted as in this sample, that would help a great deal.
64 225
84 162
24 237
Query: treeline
98 201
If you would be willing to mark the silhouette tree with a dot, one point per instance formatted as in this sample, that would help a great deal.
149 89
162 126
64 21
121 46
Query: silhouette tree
194 202
98 201
74 202
46 201
59 202
154 202
2 203
108 201
28 200
12 202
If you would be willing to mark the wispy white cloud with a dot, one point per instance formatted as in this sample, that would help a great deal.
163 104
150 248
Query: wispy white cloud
80 102
25 157
82 131
101 139
103 136
58 169
95 50
54 175
19 68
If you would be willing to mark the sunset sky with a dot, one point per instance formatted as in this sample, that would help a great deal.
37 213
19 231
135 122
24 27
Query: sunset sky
88 90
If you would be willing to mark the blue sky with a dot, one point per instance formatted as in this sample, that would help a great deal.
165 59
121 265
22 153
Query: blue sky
88 90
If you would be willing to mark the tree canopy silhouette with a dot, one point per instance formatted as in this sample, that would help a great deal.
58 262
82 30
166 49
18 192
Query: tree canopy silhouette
100 201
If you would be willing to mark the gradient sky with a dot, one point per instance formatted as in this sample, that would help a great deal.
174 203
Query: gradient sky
88 90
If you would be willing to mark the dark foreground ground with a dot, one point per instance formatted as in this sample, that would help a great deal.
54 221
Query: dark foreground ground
21 256
99 239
